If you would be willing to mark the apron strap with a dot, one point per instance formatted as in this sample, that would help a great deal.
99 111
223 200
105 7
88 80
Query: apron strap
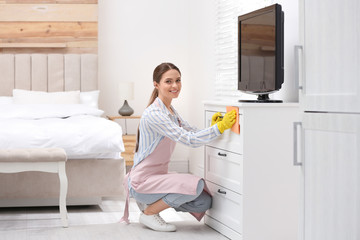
125 217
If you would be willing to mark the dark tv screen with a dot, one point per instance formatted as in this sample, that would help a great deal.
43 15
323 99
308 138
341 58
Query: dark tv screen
261 51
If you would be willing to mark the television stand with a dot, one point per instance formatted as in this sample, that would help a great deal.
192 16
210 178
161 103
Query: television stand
250 174
263 98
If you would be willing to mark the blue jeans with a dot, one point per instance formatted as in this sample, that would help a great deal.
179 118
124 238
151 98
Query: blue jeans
198 203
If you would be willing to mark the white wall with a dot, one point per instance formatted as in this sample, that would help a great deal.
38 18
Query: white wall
201 70
134 37
137 35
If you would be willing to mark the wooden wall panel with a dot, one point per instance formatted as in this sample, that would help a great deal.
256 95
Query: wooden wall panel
47 50
50 1
47 30
48 12
48 26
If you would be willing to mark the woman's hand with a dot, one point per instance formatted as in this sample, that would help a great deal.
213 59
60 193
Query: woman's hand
217 117
228 121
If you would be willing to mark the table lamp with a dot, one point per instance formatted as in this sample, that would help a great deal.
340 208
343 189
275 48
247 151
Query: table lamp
126 92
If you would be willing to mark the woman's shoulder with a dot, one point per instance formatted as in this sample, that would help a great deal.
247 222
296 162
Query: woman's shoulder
151 111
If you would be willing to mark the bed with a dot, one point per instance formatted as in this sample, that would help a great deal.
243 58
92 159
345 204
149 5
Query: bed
50 100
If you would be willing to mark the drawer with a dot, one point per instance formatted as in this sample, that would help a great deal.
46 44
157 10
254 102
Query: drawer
228 140
226 207
224 168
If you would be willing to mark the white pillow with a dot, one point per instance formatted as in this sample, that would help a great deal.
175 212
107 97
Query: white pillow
37 97
6 100
90 99
39 111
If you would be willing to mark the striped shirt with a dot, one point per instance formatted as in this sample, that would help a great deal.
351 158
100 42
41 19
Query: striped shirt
157 122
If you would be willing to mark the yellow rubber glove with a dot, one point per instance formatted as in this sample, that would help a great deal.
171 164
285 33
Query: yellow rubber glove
217 117
228 121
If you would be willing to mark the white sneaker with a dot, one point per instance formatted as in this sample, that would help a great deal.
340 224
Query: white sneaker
155 222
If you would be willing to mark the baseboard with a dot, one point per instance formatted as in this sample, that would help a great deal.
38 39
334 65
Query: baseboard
221 228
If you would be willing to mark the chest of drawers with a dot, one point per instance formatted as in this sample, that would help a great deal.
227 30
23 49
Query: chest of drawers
254 185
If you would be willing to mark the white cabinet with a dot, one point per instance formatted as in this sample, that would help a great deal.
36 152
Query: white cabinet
330 139
331 176
331 49
254 184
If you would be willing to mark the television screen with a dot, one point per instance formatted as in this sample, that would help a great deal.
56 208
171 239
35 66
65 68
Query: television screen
261 52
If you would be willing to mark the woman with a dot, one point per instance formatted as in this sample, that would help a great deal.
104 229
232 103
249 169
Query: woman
160 128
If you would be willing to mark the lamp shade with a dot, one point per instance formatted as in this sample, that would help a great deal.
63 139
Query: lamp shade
126 90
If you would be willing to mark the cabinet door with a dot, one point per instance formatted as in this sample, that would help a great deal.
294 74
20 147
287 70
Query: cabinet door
331 41
331 176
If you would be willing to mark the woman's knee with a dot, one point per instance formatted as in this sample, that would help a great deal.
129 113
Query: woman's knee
200 187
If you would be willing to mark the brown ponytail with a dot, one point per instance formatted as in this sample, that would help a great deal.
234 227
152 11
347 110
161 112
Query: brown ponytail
154 95
158 72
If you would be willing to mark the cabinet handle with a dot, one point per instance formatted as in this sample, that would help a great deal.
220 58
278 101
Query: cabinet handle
296 163
220 191
298 69
222 154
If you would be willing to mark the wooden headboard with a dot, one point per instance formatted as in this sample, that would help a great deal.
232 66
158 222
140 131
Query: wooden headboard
48 72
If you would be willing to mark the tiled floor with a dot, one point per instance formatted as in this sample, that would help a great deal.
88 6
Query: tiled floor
95 222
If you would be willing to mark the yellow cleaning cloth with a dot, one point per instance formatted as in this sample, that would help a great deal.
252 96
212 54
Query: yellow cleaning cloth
236 127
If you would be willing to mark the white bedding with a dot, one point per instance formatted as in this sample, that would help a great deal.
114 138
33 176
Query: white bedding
81 132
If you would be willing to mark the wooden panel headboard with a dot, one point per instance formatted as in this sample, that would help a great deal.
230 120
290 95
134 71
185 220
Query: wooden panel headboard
48 72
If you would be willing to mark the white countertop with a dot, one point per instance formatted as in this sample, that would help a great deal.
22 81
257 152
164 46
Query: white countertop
249 104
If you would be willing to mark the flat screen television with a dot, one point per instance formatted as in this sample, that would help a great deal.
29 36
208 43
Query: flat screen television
261 52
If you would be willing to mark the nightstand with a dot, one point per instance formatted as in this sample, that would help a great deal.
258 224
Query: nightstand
129 141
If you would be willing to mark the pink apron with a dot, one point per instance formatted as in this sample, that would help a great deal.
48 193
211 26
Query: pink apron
151 176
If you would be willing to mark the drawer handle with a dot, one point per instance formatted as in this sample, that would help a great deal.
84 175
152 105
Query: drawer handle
222 192
222 154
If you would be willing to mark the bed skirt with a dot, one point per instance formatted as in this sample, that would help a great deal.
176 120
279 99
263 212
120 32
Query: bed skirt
89 180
